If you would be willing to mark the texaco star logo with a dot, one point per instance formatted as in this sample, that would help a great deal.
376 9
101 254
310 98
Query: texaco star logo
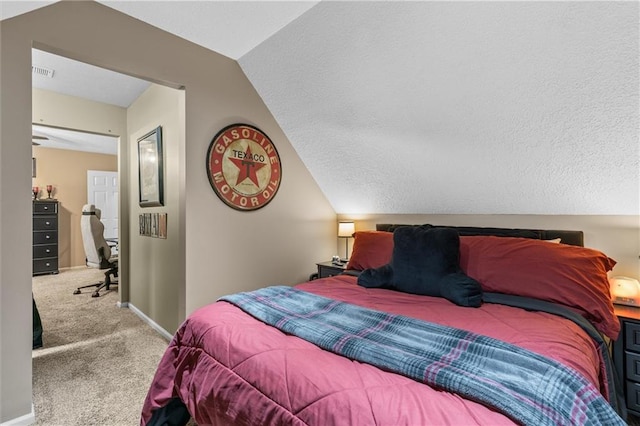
243 167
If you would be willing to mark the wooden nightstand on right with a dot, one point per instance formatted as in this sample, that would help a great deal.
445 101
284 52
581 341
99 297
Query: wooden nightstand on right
626 355
329 269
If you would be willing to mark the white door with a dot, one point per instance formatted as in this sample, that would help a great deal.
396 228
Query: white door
102 191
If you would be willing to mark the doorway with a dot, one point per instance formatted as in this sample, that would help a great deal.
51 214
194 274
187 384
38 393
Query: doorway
93 100
63 167
102 191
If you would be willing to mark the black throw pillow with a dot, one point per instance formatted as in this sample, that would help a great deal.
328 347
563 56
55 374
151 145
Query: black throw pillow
381 277
426 261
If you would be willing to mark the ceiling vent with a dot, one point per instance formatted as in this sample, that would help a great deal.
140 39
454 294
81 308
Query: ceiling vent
45 72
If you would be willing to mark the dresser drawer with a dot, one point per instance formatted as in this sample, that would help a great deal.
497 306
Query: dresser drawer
633 396
45 223
43 207
48 250
45 237
45 265
632 336
632 365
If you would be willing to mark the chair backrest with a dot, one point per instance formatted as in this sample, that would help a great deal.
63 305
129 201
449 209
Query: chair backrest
93 237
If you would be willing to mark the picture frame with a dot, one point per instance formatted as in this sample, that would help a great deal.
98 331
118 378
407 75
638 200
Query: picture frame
153 225
151 169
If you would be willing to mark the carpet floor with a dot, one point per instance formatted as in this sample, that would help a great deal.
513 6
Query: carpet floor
97 360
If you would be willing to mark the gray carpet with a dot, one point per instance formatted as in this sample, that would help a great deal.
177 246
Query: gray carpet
97 360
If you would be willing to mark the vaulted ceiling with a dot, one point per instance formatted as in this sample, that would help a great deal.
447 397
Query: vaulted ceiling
440 107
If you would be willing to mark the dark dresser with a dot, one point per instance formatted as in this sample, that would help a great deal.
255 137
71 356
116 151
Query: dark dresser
45 237
626 355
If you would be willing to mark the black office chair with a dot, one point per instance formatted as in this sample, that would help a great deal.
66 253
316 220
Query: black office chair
98 251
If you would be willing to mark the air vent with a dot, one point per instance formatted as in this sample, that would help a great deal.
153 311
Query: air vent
45 72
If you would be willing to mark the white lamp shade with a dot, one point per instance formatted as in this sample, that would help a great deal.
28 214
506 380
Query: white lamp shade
624 287
346 229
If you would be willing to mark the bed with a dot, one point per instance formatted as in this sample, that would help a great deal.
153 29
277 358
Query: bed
429 325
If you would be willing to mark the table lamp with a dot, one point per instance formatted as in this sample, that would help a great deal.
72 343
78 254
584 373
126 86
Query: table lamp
346 230
625 291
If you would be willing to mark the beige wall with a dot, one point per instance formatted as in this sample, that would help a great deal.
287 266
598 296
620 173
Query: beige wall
616 236
70 112
156 276
224 250
66 170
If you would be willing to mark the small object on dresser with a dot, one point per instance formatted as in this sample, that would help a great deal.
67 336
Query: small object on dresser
35 191
329 269
49 191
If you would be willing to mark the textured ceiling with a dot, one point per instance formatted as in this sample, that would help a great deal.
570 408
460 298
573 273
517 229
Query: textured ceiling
461 107
442 107
231 28
86 81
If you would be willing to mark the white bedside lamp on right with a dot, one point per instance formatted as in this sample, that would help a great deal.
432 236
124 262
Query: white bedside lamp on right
625 291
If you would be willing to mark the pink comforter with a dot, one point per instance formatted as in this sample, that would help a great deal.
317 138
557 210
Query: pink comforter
229 368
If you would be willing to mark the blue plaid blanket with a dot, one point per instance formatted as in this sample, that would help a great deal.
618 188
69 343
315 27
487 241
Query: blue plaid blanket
529 388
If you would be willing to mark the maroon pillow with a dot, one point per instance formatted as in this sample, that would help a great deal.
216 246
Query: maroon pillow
371 249
572 276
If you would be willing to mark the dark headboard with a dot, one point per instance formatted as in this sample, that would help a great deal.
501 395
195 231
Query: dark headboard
574 238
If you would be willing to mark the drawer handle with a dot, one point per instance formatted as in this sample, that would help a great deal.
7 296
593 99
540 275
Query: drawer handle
47 223
46 207
48 251
47 264
47 236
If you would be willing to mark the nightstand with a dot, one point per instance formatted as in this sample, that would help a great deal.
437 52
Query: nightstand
329 269
626 355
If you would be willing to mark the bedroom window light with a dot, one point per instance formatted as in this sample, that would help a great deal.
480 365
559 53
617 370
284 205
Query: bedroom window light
346 230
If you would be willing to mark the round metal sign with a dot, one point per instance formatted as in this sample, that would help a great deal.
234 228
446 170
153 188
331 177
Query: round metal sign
244 167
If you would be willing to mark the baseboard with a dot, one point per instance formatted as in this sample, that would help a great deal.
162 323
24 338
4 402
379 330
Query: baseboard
164 333
71 268
27 419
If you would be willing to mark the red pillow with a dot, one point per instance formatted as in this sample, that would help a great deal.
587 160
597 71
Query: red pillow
568 275
371 249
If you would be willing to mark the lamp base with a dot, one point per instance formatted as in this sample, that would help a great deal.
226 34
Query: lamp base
346 251
628 301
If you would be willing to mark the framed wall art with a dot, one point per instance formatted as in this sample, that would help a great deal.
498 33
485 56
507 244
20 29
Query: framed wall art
244 167
150 169
153 225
